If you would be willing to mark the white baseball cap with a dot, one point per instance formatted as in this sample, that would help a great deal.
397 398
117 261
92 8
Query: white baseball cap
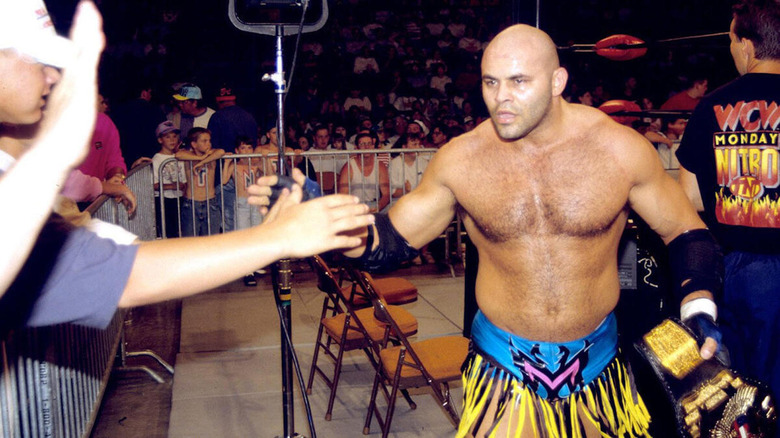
25 26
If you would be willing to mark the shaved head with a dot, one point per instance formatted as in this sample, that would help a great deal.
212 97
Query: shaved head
522 40
521 77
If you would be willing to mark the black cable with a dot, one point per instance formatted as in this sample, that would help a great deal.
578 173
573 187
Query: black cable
305 5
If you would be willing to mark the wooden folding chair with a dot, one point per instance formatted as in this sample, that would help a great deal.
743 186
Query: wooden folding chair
348 328
433 363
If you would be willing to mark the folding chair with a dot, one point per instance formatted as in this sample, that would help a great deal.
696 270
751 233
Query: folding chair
433 362
394 290
349 328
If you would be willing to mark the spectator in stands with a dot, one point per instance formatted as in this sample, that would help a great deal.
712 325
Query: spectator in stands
668 139
193 113
328 164
201 213
174 179
136 120
303 163
71 274
687 99
244 172
438 137
440 80
407 169
363 176
104 160
228 123
365 63
103 171
357 99
270 151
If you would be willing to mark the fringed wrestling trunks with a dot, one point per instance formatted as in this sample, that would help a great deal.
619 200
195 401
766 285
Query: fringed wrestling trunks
513 387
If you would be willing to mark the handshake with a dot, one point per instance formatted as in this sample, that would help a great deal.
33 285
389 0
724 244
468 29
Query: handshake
307 228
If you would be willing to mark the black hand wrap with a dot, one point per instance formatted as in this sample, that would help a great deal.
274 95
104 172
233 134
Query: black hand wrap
696 262
391 251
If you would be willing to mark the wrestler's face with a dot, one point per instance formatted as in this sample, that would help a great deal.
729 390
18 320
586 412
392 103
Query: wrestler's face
518 84
24 85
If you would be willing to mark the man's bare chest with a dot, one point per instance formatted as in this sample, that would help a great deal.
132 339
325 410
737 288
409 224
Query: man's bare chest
542 198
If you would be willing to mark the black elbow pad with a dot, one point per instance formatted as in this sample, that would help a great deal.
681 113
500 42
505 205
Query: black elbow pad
392 250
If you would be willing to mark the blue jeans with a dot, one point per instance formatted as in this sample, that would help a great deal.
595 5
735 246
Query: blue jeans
229 200
200 218
749 315
246 215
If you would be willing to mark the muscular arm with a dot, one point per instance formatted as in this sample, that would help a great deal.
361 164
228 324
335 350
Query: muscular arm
422 214
661 202
655 196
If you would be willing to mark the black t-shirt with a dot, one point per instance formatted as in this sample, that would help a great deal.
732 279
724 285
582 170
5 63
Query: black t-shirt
732 145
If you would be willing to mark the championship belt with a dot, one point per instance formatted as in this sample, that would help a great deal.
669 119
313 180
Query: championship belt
709 399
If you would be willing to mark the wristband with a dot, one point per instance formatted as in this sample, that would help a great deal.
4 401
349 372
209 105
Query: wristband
699 305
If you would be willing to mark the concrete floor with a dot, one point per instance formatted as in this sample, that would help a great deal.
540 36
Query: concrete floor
227 379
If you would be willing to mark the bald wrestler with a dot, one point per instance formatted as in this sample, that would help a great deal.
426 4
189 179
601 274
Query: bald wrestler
544 189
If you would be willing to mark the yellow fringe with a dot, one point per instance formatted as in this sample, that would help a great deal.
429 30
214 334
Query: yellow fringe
591 405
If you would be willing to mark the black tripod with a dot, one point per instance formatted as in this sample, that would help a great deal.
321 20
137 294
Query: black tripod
282 278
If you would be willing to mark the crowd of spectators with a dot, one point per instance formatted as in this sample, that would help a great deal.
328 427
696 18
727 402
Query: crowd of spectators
376 60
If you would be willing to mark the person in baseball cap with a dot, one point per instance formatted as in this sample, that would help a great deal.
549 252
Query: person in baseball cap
187 92
165 127
25 26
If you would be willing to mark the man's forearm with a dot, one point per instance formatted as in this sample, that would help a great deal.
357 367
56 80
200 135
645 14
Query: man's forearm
176 268
41 182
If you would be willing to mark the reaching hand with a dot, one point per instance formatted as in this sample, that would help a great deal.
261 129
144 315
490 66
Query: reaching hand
260 192
315 226
70 109
122 194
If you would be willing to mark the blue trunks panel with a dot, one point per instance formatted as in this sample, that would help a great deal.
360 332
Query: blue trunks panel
552 370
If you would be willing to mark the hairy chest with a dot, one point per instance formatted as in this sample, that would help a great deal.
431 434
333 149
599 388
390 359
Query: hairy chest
566 193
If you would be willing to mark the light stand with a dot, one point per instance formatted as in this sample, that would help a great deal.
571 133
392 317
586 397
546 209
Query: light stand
282 276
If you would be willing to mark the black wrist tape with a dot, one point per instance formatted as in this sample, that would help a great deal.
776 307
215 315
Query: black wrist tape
696 262
392 250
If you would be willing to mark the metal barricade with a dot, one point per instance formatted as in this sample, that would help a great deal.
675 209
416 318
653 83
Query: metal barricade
53 378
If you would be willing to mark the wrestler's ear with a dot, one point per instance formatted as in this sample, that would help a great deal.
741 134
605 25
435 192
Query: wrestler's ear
559 78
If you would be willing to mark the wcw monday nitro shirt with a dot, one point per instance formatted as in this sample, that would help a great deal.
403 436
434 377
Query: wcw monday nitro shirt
732 145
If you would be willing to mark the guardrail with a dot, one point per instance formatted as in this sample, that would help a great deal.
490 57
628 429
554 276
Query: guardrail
53 378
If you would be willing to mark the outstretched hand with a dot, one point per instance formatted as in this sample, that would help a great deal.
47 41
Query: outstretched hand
70 109
260 192
313 227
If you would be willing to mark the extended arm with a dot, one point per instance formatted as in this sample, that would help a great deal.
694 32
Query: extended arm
174 268
421 215
60 144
